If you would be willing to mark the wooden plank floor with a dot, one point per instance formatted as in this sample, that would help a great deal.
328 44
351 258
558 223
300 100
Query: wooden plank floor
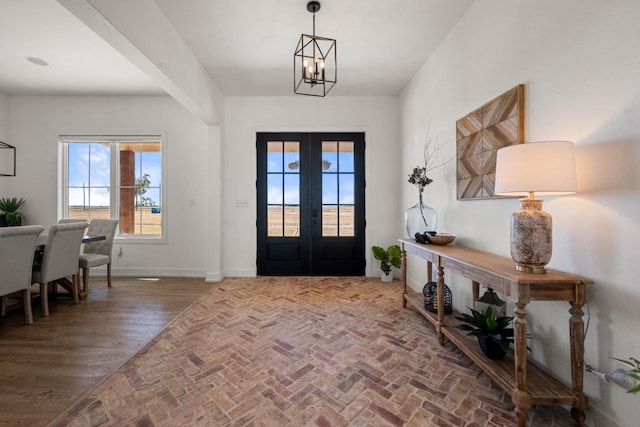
46 366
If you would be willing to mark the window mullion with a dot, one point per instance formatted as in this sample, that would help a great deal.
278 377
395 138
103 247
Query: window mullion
115 181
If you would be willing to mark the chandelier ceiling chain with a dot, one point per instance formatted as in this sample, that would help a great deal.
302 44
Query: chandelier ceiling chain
314 61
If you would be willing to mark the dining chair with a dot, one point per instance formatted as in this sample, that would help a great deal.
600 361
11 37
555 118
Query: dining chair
17 248
59 260
98 253
71 220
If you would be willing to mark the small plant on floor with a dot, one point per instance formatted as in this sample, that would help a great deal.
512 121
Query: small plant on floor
634 372
388 258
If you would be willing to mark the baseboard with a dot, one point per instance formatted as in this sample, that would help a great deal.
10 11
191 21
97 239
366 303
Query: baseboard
213 277
596 417
240 273
151 272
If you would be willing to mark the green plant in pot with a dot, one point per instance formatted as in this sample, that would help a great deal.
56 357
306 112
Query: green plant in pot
494 334
9 207
391 257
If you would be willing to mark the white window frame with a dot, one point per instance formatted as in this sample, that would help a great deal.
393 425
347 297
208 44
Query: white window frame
63 177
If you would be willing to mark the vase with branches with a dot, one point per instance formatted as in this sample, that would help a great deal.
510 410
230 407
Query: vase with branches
421 218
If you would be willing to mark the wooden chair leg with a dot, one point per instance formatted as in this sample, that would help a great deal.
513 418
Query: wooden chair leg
109 274
85 280
75 283
26 301
44 299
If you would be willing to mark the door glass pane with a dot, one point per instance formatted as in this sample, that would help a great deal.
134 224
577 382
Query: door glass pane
345 156
346 188
329 156
347 220
329 220
274 221
292 189
274 189
292 221
329 189
274 156
292 156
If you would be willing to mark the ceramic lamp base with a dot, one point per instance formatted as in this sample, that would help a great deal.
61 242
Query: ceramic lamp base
531 237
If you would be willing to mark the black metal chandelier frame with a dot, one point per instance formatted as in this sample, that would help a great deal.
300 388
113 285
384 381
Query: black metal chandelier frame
315 69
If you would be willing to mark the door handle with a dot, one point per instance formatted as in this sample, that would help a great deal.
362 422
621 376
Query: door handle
315 213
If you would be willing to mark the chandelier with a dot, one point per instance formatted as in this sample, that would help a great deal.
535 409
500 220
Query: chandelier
315 69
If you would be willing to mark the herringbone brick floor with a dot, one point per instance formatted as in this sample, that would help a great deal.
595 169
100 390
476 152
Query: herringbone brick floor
301 351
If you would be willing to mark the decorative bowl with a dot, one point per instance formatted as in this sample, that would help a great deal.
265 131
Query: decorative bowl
441 238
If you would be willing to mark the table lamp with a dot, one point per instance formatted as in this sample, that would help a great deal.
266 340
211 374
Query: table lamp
545 168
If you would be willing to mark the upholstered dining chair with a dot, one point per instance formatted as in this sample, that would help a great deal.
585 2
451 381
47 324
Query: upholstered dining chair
17 248
71 220
98 253
59 260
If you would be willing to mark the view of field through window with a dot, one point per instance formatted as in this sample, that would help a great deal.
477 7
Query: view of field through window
137 201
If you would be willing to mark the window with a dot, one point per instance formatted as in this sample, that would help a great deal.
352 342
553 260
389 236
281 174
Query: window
115 177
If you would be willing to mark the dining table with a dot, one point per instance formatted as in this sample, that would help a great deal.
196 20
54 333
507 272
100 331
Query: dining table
65 282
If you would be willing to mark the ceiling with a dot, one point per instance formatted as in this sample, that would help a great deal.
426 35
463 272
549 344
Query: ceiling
246 46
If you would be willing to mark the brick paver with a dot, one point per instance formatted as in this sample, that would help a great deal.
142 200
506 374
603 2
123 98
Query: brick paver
301 351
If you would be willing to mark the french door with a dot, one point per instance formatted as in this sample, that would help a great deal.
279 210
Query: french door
310 191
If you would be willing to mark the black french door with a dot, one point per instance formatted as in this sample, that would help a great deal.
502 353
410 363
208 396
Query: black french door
310 191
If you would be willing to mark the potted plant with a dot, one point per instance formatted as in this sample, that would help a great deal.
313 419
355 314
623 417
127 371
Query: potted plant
391 257
494 334
9 208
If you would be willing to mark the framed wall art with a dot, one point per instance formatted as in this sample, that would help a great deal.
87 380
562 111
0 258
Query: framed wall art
479 135
7 159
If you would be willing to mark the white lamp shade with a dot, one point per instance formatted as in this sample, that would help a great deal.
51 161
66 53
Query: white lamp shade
542 167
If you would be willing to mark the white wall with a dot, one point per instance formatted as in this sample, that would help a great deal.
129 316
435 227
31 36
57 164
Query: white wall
34 125
579 64
376 116
5 182
4 117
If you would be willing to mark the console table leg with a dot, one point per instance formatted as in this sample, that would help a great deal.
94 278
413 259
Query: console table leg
520 355
578 416
521 415
520 346
404 276
440 299
576 333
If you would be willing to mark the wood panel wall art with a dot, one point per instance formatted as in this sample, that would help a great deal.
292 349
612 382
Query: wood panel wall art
479 135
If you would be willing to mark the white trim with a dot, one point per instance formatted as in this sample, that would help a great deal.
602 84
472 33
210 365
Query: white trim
66 138
240 273
152 272
213 277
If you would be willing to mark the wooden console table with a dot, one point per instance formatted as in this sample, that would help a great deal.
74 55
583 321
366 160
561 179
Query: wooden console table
527 383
